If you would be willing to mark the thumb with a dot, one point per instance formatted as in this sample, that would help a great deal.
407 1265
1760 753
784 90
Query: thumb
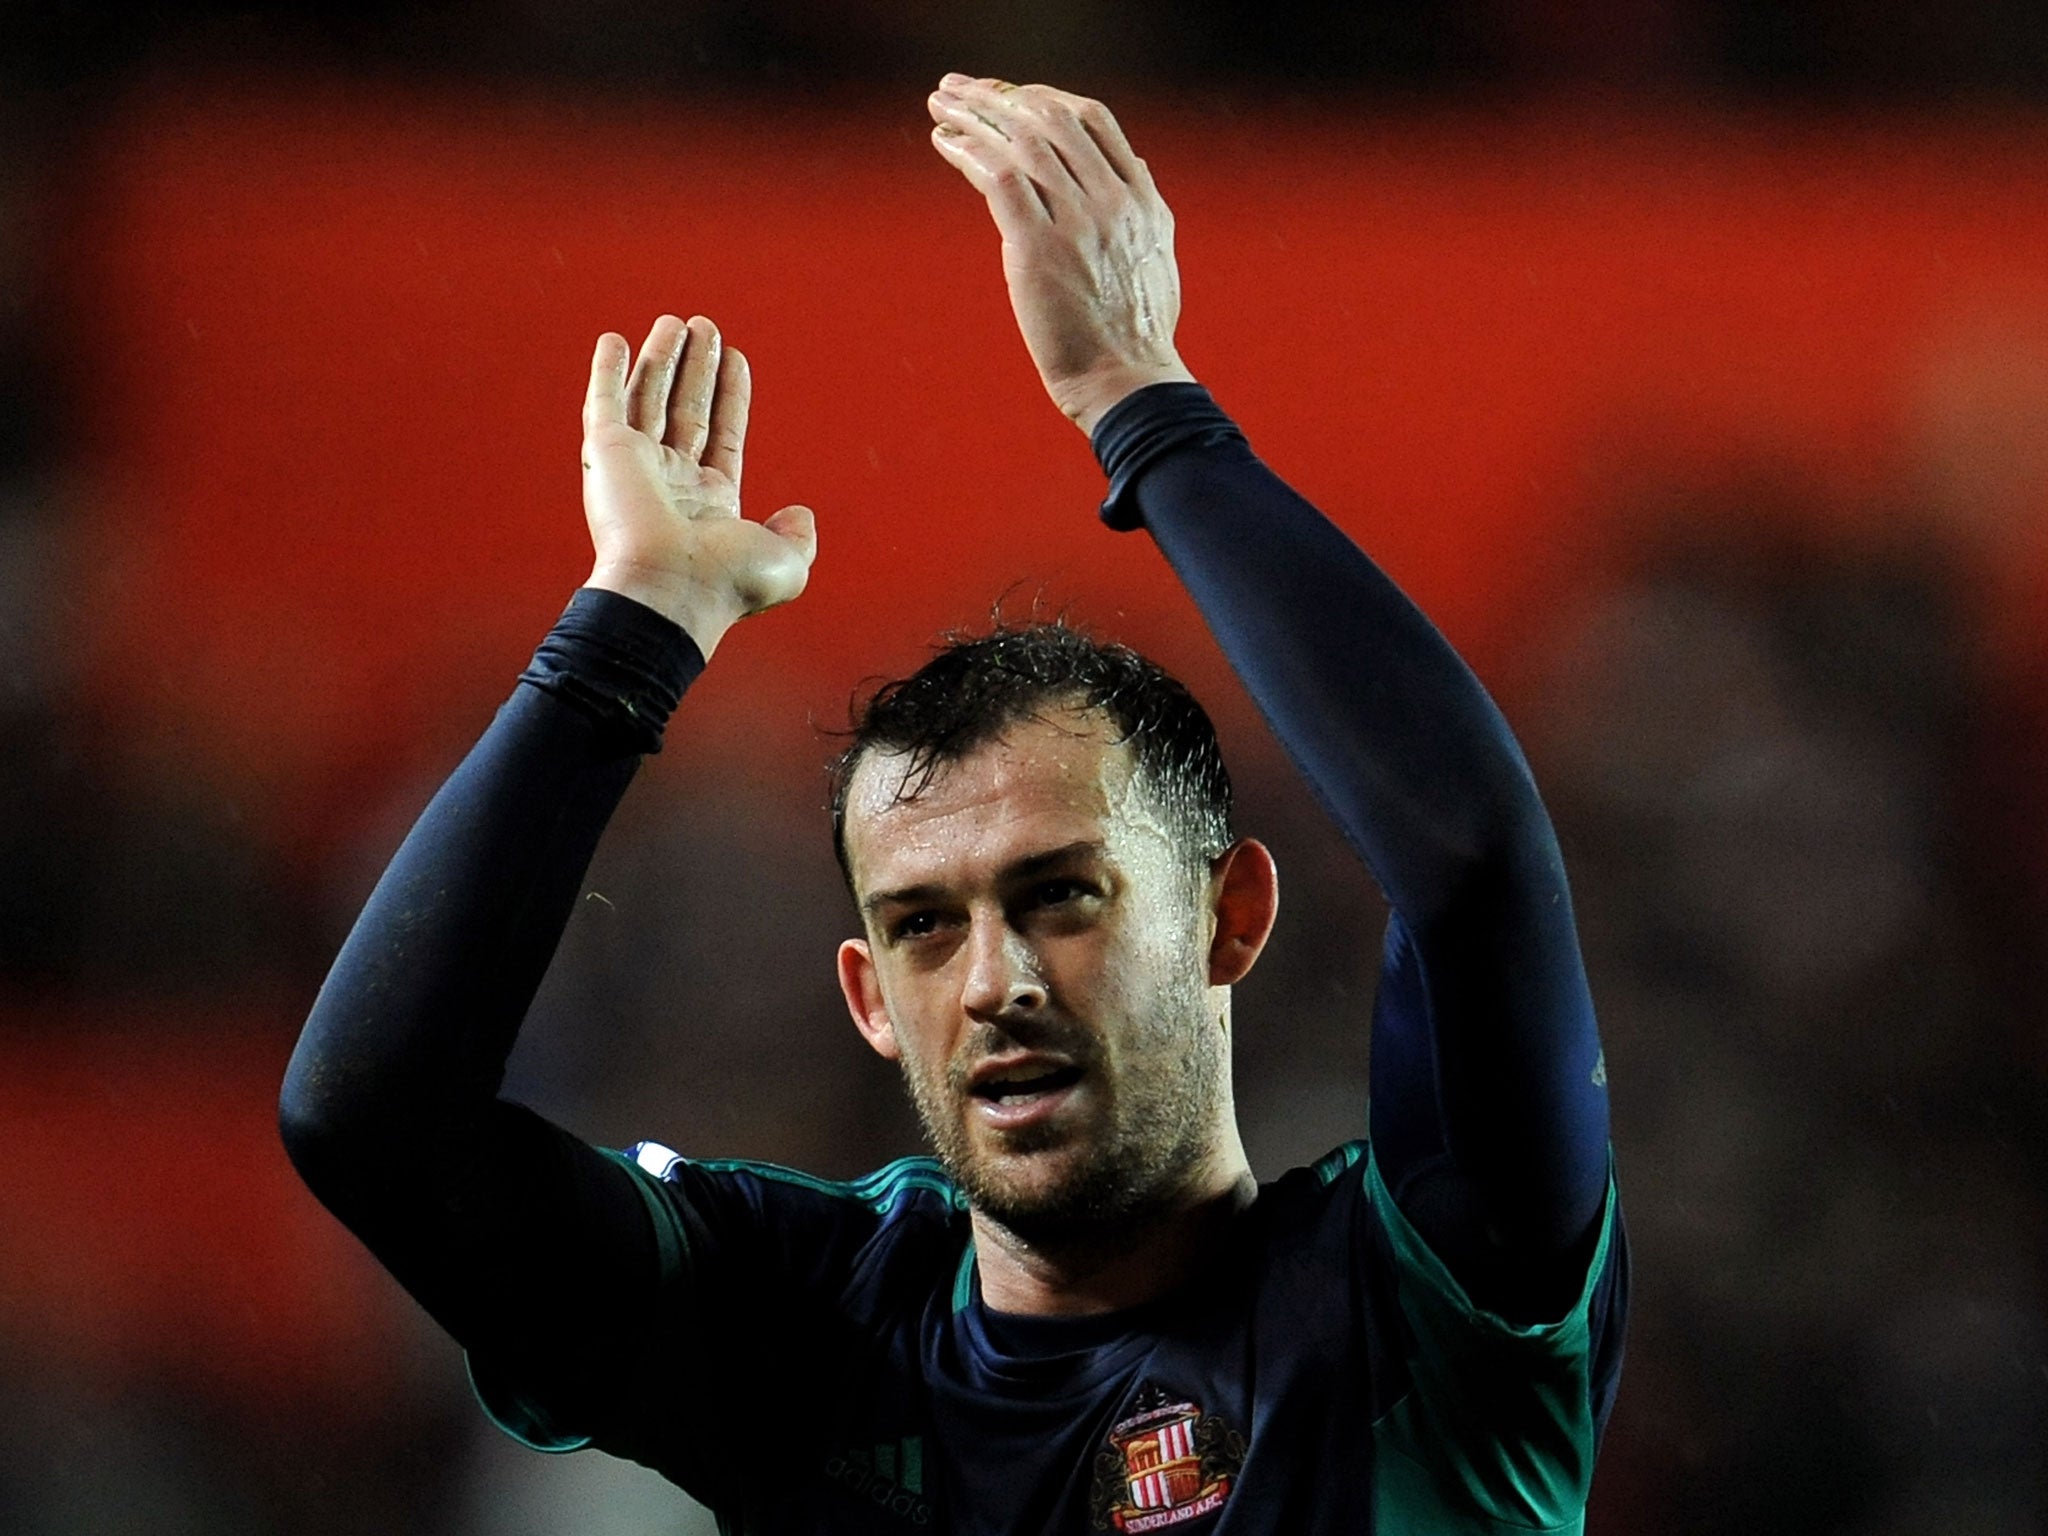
799 527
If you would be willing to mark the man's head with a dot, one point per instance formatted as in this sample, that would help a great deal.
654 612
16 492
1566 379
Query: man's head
977 687
1037 831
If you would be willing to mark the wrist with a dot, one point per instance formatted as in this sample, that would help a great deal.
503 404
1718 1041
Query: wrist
702 612
1087 398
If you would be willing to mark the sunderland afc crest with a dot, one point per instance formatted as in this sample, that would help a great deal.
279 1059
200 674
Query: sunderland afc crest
1167 1462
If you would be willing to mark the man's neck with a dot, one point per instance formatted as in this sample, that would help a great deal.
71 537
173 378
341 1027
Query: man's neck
1135 1262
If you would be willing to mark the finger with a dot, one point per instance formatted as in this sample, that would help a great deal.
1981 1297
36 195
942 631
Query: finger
1045 122
1107 135
1006 135
1080 129
604 403
950 103
800 527
689 405
727 438
653 372
1017 205
945 91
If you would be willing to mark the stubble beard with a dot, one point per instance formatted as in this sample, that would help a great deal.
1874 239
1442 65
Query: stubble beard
1156 1136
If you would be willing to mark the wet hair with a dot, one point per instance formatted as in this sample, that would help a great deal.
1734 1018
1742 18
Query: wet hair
978 686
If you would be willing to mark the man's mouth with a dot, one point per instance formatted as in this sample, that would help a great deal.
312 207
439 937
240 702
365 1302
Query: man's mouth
1024 1093
1027 1083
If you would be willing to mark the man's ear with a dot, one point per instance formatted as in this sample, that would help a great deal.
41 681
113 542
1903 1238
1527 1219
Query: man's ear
1244 895
862 989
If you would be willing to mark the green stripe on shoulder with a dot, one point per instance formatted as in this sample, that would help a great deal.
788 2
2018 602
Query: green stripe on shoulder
878 1191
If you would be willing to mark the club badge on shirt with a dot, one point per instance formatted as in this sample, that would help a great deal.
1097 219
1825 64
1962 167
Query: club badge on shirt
1167 1462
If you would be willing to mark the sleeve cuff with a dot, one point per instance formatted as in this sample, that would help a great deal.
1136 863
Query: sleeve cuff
1143 428
620 663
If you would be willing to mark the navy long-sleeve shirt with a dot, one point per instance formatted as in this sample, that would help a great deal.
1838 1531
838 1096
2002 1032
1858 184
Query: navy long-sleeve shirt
1488 1108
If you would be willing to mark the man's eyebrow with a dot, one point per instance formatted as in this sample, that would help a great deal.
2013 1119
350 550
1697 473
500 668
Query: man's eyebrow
1023 869
907 896
1038 863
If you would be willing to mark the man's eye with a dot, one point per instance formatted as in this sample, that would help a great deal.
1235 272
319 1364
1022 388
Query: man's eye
915 926
1052 893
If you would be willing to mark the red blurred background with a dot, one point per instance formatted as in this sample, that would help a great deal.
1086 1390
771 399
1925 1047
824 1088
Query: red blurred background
339 345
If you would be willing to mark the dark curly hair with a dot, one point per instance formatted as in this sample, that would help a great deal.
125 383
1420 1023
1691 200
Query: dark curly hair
978 686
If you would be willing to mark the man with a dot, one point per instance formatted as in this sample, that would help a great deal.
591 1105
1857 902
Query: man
1085 1314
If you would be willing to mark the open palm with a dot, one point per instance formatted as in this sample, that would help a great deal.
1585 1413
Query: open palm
663 438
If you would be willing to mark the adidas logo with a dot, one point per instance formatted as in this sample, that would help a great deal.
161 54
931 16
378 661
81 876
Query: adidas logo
889 1475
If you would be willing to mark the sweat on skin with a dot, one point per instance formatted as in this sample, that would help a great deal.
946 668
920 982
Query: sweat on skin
1030 911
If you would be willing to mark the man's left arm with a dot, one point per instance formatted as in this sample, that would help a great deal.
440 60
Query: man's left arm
1488 1098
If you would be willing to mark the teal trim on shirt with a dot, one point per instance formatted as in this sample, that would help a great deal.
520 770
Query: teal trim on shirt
878 1191
512 1410
1496 1432
517 1416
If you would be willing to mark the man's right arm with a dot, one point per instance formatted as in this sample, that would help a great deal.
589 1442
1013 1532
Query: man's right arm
390 1107
526 1244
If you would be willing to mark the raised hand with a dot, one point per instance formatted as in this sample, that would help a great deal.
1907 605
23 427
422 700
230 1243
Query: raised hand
1087 240
661 484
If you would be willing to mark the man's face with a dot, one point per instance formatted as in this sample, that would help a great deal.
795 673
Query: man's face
1037 961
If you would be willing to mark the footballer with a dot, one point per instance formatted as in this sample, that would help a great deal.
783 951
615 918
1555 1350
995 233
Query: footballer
1083 1313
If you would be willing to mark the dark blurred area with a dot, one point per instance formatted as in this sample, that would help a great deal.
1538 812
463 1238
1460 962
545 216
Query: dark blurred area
1736 51
1786 689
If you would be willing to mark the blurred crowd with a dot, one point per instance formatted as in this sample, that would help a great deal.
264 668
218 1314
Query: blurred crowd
1801 777
1812 907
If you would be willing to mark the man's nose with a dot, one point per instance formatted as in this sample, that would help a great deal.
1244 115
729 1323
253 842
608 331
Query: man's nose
1002 972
